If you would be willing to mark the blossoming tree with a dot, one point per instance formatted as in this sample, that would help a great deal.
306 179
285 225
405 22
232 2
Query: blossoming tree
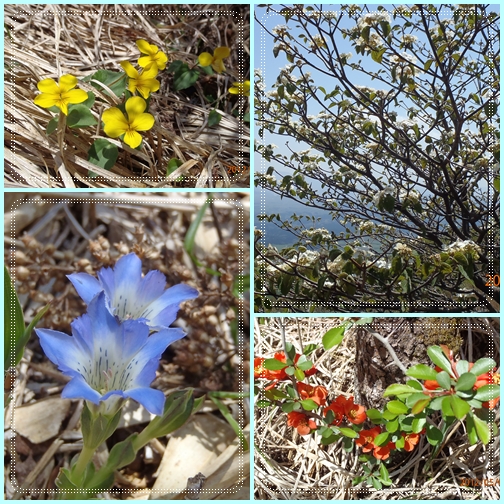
387 121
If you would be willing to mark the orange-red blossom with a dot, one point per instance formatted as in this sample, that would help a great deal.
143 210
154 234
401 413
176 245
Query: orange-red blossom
317 394
342 406
367 444
301 422
277 374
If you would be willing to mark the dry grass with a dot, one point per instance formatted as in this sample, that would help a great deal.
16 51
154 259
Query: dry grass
52 235
41 42
293 467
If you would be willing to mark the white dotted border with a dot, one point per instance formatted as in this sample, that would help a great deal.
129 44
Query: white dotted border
116 178
241 317
366 304
391 326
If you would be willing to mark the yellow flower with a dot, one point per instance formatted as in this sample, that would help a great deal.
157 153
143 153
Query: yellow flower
153 55
240 88
143 82
117 124
206 59
61 94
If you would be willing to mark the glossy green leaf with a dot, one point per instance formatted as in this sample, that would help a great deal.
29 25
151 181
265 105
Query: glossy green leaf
443 378
382 439
274 364
482 366
466 381
347 432
398 389
79 116
482 430
487 393
397 407
103 153
333 337
434 435
419 406
422 372
437 356
459 406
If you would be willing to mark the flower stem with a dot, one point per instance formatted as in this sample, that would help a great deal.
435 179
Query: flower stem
80 467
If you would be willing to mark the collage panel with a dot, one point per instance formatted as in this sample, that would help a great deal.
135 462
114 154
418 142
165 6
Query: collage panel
123 95
139 296
377 158
376 408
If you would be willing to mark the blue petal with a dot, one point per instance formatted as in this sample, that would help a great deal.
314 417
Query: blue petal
82 332
147 374
105 329
151 287
86 286
77 388
127 278
165 317
60 349
151 399
152 350
106 277
135 337
172 296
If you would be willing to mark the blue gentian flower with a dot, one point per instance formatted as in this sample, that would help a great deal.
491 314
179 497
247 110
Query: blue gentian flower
109 361
131 296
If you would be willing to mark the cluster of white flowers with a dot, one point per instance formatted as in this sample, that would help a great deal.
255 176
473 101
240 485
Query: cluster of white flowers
366 89
374 42
346 56
382 263
403 250
409 39
328 284
366 227
317 41
280 30
381 194
336 265
481 162
402 58
411 196
270 179
308 258
373 18
372 145
312 233
402 9
467 246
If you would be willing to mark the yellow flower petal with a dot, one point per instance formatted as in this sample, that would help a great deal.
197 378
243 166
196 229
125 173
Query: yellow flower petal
133 139
146 48
144 61
205 59
149 72
67 82
142 122
221 52
48 86
46 100
63 106
130 70
161 59
75 96
218 66
135 106
114 115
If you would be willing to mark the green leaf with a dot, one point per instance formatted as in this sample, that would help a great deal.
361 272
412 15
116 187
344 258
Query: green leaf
21 345
377 55
443 378
398 389
387 415
274 364
482 366
482 430
427 65
333 337
287 407
397 407
52 125
462 367
418 424
459 406
347 432
299 374
183 77
466 381
290 370
422 372
102 153
400 442
434 435
115 81
79 116
392 426
373 414
214 118
385 26
172 165
472 435
487 393
496 183
304 366
14 325
446 407
384 475
414 398
262 403
437 356
419 406
382 439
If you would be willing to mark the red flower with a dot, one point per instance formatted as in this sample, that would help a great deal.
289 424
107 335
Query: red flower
301 422
317 394
383 452
410 441
259 370
355 413
338 408
367 437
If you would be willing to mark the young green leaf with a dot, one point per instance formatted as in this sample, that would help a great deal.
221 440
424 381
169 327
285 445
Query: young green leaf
333 337
466 381
443 379
422 372
437 356
347 432
487 393
397 407
274 364
482 430
214 118
459 406
482 366
434 435
397 389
